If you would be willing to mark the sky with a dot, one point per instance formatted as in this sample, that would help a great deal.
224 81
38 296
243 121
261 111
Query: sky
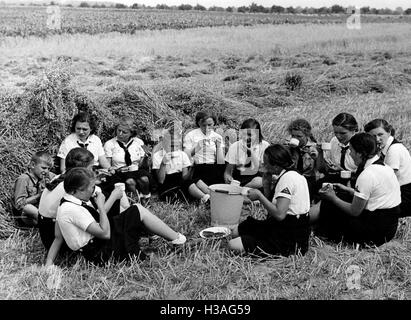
284 3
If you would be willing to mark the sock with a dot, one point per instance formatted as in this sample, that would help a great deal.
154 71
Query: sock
205 198
181 239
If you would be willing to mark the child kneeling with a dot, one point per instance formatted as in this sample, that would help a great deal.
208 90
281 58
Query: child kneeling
88 230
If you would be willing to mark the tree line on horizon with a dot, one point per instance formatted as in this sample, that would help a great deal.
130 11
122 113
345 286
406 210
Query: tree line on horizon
252 8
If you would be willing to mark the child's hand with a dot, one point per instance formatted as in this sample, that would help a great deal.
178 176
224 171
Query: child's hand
327 193
217 142
117 193
198 146
100 199
166 158
254 194
228 179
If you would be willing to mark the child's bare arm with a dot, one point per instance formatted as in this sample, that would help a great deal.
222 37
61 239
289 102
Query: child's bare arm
116 194
55 246
102 229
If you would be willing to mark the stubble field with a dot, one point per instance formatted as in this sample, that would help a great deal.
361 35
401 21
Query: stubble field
275 73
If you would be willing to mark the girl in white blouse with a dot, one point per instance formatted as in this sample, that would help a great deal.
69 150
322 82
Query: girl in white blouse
371 217
205 148
125 153
396 155
286 230
245 157
83 128
86 228
344 127
171 166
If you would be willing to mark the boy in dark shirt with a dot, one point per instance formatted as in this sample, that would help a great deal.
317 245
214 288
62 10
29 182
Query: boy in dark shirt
28 188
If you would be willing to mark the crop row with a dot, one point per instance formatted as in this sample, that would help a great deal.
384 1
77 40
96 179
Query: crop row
35 21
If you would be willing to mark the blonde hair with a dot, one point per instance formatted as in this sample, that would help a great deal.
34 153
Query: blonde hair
42 156
128 122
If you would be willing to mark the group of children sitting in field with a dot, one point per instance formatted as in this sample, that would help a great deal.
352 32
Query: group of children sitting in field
354 188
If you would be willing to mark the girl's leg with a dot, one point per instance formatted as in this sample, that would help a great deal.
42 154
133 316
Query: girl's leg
131 185
156 225
124 202
314 212
144 185
30 215
195 191
202 186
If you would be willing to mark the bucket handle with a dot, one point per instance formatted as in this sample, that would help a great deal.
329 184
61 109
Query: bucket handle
225 191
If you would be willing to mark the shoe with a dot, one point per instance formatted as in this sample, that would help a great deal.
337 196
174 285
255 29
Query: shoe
181 239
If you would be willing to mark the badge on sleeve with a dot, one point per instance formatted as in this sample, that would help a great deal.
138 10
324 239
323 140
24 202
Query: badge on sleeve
285 191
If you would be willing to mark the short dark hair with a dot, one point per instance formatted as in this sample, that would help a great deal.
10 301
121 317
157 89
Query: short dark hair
84 117
279 155
365 144
204 115
379 123
77 179
250 123
78 157
345 120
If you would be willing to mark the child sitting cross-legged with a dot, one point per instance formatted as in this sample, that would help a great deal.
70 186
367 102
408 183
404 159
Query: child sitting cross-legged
29 186
87 229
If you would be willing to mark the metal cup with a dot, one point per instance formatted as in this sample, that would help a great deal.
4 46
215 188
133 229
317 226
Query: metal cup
120 185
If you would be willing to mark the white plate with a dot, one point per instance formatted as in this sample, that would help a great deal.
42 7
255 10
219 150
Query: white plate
219 232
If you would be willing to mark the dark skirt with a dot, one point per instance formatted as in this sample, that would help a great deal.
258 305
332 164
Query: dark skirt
126 230
209 173
271 237
244 178
369 228
108 185
405 200
171 186
46 229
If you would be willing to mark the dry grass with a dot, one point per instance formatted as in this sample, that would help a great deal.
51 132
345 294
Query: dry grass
215 42
275 73
207 270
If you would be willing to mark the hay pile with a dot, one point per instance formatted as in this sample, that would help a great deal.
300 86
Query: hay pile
190 98
40 117
141 104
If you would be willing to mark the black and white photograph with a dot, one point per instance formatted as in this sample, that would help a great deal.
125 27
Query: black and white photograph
205 158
